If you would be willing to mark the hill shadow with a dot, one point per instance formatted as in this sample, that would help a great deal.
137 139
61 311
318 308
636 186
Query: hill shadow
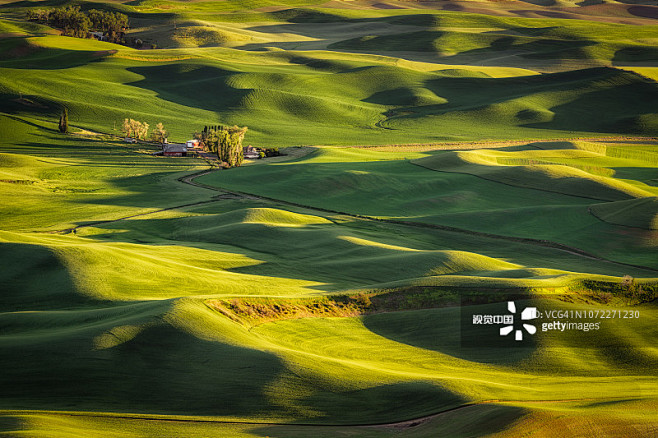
322 26
190 84
636 54
440 330
18 53
620 100
11 424
34 278
467 421
470 93
526 42
381 403
161 370
647 175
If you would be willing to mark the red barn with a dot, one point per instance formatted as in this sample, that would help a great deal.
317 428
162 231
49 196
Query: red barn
174 150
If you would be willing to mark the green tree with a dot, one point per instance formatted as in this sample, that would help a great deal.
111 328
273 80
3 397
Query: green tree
76 23
229 145
225 141
64 121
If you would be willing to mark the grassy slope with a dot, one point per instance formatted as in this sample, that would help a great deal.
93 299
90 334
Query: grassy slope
290 97
117 311
548 203
107 318
52 182
472 421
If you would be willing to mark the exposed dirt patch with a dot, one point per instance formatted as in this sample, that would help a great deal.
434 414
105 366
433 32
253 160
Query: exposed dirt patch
254 311
101 53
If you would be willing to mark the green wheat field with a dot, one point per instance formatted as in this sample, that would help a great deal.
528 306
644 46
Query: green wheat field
437 156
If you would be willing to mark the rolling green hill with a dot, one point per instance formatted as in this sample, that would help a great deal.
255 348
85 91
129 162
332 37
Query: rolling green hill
291 98
331 291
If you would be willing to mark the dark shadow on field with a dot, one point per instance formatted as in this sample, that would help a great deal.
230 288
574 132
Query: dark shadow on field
555 49
192 84
441 330
161 370
616 104
322 254
463 422
322 26
33 278
302 15
50 143
147 191
12 104
421 41
10 424
611 402
468 421
474 93
155 185
52 146
321 64
381 404
648 175
602 99
18 53
636 54
526 42
647 11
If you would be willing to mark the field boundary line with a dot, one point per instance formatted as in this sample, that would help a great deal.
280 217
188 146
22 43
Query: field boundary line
510 185
174 207
537 242
590 211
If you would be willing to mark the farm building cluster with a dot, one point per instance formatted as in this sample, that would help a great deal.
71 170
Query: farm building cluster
193 146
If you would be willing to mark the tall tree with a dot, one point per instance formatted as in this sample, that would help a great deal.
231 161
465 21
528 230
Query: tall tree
126 129
159 133
225 141
229 145
64 121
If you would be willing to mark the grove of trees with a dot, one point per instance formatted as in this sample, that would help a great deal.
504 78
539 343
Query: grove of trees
225 141
135 129
78 24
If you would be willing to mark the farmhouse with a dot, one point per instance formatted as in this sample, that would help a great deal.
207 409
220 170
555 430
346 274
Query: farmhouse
250 152
100 36
192 144
174 150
